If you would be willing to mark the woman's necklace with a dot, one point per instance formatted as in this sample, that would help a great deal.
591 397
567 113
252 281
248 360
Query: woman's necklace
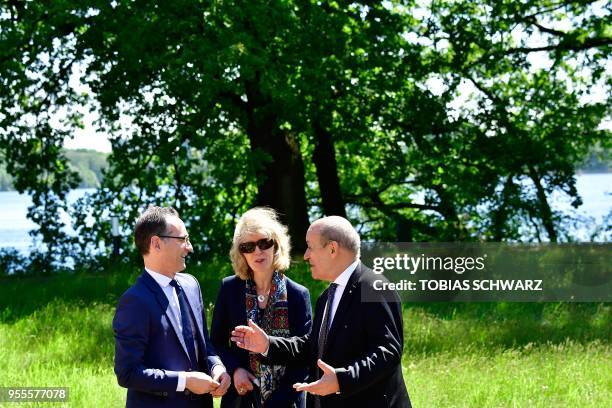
262 298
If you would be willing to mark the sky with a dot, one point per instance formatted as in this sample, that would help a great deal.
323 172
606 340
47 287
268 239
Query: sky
88 138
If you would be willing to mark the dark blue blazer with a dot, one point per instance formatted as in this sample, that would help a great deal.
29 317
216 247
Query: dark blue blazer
230 311
149 346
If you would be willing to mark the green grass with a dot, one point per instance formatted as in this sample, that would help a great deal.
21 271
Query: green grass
568 375
56 331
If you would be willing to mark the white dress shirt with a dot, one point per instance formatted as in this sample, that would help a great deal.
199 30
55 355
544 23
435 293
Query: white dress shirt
164 283
341 281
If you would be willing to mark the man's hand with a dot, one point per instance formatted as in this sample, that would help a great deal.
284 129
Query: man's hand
251 338
222 377
327 384
200 383
243 381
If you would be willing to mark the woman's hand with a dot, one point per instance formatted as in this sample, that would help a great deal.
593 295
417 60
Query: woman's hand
243 381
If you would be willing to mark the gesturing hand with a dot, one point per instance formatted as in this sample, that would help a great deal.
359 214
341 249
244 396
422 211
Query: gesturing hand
327 384
251 338
243 381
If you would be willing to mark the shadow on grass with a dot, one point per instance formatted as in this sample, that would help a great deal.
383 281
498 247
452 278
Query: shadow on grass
20 296
429 327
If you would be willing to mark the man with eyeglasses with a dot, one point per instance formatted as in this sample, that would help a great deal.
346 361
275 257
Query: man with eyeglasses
163 354
355 347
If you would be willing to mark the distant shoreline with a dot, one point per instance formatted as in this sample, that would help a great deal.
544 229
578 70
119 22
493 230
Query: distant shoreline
87 163
96 184
588 171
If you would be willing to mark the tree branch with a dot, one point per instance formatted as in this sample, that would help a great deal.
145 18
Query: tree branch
543 29
594 42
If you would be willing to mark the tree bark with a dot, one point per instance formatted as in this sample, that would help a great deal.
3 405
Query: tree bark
324 158
281 175
545 211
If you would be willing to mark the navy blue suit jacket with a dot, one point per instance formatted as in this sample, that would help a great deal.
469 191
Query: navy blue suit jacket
230 311
149 346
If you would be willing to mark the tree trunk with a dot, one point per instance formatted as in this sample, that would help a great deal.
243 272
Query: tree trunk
500 215
324 158
544 209
281 175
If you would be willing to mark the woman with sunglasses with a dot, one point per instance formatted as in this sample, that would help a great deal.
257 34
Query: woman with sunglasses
260 291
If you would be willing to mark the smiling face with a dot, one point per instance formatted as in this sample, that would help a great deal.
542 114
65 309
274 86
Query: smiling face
173 251
260 261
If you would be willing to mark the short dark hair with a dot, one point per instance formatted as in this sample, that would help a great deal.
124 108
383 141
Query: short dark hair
151 222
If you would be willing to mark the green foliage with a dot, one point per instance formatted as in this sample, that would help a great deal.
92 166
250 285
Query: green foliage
421 121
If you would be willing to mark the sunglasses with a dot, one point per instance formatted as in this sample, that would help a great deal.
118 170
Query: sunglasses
249 247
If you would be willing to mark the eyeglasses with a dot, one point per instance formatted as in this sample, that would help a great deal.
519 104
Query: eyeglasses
185 239
249 247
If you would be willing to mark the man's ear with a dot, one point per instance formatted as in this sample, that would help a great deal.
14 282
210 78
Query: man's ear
155 243
334 246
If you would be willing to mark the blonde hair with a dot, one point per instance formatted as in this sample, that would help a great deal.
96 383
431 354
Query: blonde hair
262 220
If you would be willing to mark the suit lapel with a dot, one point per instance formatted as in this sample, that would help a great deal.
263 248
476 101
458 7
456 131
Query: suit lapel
161 298
345 301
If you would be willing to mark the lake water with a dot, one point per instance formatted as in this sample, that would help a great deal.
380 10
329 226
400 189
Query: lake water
14 224
595 190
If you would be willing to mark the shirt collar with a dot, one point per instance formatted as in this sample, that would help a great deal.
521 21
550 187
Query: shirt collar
344 277
162 280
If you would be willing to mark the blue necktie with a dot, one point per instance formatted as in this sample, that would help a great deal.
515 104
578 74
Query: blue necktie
187 323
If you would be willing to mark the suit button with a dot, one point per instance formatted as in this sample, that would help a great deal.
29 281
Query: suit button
346 326
165 394
187 392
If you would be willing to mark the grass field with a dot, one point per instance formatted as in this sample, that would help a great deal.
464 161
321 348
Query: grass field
56 331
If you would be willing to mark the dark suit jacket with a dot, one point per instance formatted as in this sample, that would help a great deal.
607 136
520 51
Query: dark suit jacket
149 346
364 345
230 312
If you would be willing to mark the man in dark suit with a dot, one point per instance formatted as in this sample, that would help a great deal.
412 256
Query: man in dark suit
163 355
354 350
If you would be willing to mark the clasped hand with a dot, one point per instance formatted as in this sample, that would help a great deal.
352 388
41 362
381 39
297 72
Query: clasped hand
201 383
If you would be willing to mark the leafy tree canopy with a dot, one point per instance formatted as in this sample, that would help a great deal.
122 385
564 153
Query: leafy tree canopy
435 120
